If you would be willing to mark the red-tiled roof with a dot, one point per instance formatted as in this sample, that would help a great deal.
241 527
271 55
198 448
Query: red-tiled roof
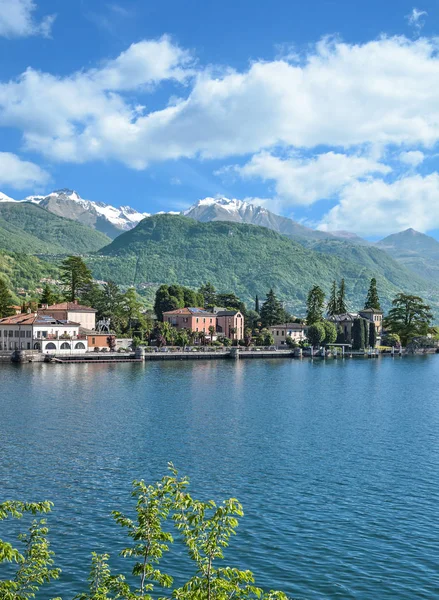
33 319
73 306
196 312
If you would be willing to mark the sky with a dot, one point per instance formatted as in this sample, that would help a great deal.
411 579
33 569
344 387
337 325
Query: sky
326 111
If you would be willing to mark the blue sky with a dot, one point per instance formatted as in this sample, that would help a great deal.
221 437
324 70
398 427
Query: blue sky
326 111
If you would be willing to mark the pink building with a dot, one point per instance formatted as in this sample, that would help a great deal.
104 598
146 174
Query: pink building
230 323
227 323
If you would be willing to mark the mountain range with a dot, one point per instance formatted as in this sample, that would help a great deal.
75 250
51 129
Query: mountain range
168 248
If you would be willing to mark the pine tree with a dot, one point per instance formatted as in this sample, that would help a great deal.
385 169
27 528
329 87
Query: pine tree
6 300
332 307
75 275
48 297
315 305
272 312
341 299
372 299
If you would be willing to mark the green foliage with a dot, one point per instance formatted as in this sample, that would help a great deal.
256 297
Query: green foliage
272 311
330 332
341 299
75 275
315 305
316 334
409 317
49 296
35 561
257 307
169 249
171 297
391 339
28 228
332 306
290 342
6 300
372 299
366 324
358 334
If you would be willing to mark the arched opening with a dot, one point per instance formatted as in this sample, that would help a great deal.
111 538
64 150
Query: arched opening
50 346
79 346
65 346
37 346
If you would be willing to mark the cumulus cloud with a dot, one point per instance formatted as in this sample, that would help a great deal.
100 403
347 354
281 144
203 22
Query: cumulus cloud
413 158
380 208
341 95
20 174
17 20
305 180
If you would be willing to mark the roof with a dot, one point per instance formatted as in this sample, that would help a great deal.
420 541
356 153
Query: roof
227 313
342 318
35 319
73 306
199 312
289 326
375 311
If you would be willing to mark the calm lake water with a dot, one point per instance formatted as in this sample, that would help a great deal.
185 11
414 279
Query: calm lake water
336 463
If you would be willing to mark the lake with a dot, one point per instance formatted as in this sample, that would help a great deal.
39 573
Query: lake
335 462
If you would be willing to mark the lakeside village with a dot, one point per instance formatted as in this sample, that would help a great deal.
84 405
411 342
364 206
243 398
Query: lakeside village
83 316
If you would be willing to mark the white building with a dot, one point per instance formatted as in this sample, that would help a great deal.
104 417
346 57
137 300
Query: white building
41 332
295 331
71 311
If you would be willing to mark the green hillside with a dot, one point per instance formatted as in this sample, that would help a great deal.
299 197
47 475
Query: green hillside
25 227
246 259
24 271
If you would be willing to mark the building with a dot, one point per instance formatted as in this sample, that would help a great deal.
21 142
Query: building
97 341
41 332
227 323
296 331
194 319
71 311
344 322
230 324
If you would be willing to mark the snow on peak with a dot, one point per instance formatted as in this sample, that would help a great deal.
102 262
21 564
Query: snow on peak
229 204
4 198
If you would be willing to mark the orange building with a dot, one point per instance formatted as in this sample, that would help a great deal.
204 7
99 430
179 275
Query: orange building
195 319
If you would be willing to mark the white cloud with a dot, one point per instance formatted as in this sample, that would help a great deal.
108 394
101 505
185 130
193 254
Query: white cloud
342 95
16 19
380 208
416 20
307 180
20 174
413 158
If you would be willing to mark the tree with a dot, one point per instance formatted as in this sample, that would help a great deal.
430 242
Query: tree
315 305
6 300
409 317
209 294
372 335
164 302
212 331
48 296
366 324
75 275
392 339
257 307
272 312
132 308
290 342
330 332
341 299
248 338
372 299
358 334
182 338
316 334
112 306
111 342
332 306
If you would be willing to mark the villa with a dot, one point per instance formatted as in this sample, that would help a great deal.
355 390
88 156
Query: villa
71 311
228 323
33 331
344 322
296 331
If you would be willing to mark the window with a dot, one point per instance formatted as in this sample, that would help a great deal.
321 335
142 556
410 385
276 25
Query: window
93 341
197 322
283 333
50 346
64 346
277 332
79 346
11 334
22 334
28 334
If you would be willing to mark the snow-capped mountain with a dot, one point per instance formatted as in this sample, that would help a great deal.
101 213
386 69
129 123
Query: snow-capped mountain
103 217
240 211
4 198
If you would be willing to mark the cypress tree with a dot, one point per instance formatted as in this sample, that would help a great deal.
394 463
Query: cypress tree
372 299
341 299
332 306
366 332
358 334
257 307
